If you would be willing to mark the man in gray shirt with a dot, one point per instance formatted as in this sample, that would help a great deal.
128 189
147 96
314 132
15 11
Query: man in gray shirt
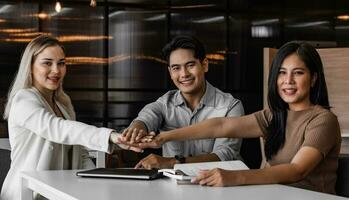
194 101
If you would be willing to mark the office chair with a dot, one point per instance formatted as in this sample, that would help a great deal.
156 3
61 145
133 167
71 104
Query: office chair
5 161
342 184
251 152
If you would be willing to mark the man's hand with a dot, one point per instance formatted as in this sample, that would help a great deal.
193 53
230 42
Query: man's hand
116 139
134 135
217 177
155 161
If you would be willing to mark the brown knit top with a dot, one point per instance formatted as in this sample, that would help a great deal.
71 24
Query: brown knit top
314 127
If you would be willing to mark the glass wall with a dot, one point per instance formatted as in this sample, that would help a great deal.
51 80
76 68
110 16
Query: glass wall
137 73
18 24
113 50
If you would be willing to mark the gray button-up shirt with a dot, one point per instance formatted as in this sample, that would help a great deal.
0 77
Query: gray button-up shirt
171 112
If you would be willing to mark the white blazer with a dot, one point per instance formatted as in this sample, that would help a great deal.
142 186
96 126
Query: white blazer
41 141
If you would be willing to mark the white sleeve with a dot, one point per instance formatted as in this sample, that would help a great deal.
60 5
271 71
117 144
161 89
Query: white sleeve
28 112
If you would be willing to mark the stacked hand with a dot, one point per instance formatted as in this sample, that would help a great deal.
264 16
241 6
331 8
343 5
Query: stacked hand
115 138
137 139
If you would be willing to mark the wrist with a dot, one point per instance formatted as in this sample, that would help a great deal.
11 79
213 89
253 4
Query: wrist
172 162
180 159
162 138
113 137
240 177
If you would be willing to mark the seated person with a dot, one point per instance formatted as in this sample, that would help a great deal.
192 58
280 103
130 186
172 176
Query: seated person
42 131
302 136
194 100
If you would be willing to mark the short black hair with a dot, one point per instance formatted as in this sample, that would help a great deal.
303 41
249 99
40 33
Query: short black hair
185 42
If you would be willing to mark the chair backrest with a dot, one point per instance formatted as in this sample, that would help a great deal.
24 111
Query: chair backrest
251 152
5 161
342 185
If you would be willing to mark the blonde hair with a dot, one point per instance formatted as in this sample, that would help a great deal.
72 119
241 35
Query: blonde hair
24 80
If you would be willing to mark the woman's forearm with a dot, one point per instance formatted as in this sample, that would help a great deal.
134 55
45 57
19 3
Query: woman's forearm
284 173
221 127
212 128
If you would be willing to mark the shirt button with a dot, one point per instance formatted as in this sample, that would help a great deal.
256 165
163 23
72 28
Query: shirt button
50 147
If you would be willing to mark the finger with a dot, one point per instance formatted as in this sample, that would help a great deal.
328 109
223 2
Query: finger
145 164
139 164
152 133
121 141
147 139
133 135
124 132
128 134
141 134
150 144
202 175
136 149
203 181
210 181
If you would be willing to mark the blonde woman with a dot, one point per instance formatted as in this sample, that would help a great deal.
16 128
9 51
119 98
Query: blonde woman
42 131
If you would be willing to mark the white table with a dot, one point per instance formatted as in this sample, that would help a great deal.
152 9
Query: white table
64 185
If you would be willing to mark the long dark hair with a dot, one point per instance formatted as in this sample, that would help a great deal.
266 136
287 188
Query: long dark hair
318 93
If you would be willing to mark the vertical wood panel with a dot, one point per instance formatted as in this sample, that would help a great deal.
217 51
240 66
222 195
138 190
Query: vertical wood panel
336 66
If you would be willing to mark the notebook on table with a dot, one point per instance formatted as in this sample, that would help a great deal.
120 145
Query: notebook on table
126 173
183 173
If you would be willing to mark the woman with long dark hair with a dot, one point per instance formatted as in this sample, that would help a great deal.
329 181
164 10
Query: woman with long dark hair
302 136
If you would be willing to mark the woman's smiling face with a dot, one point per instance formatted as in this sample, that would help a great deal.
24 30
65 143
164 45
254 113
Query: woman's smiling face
294 83
48 69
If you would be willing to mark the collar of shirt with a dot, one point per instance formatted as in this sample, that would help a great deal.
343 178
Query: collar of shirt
209 98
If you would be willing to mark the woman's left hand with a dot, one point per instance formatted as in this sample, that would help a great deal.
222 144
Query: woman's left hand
216 177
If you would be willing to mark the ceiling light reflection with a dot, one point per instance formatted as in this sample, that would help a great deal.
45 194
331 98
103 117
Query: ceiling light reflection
118 58
33 34
17 30
215 56
155 18
20 40
76 38
209 20
5 8
261 31
264 22
85 60
308 24
93 3
343 17
41 15
195 6
214 59
58 7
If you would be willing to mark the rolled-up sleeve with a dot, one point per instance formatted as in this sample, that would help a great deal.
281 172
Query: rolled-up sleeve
152 115
229 148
